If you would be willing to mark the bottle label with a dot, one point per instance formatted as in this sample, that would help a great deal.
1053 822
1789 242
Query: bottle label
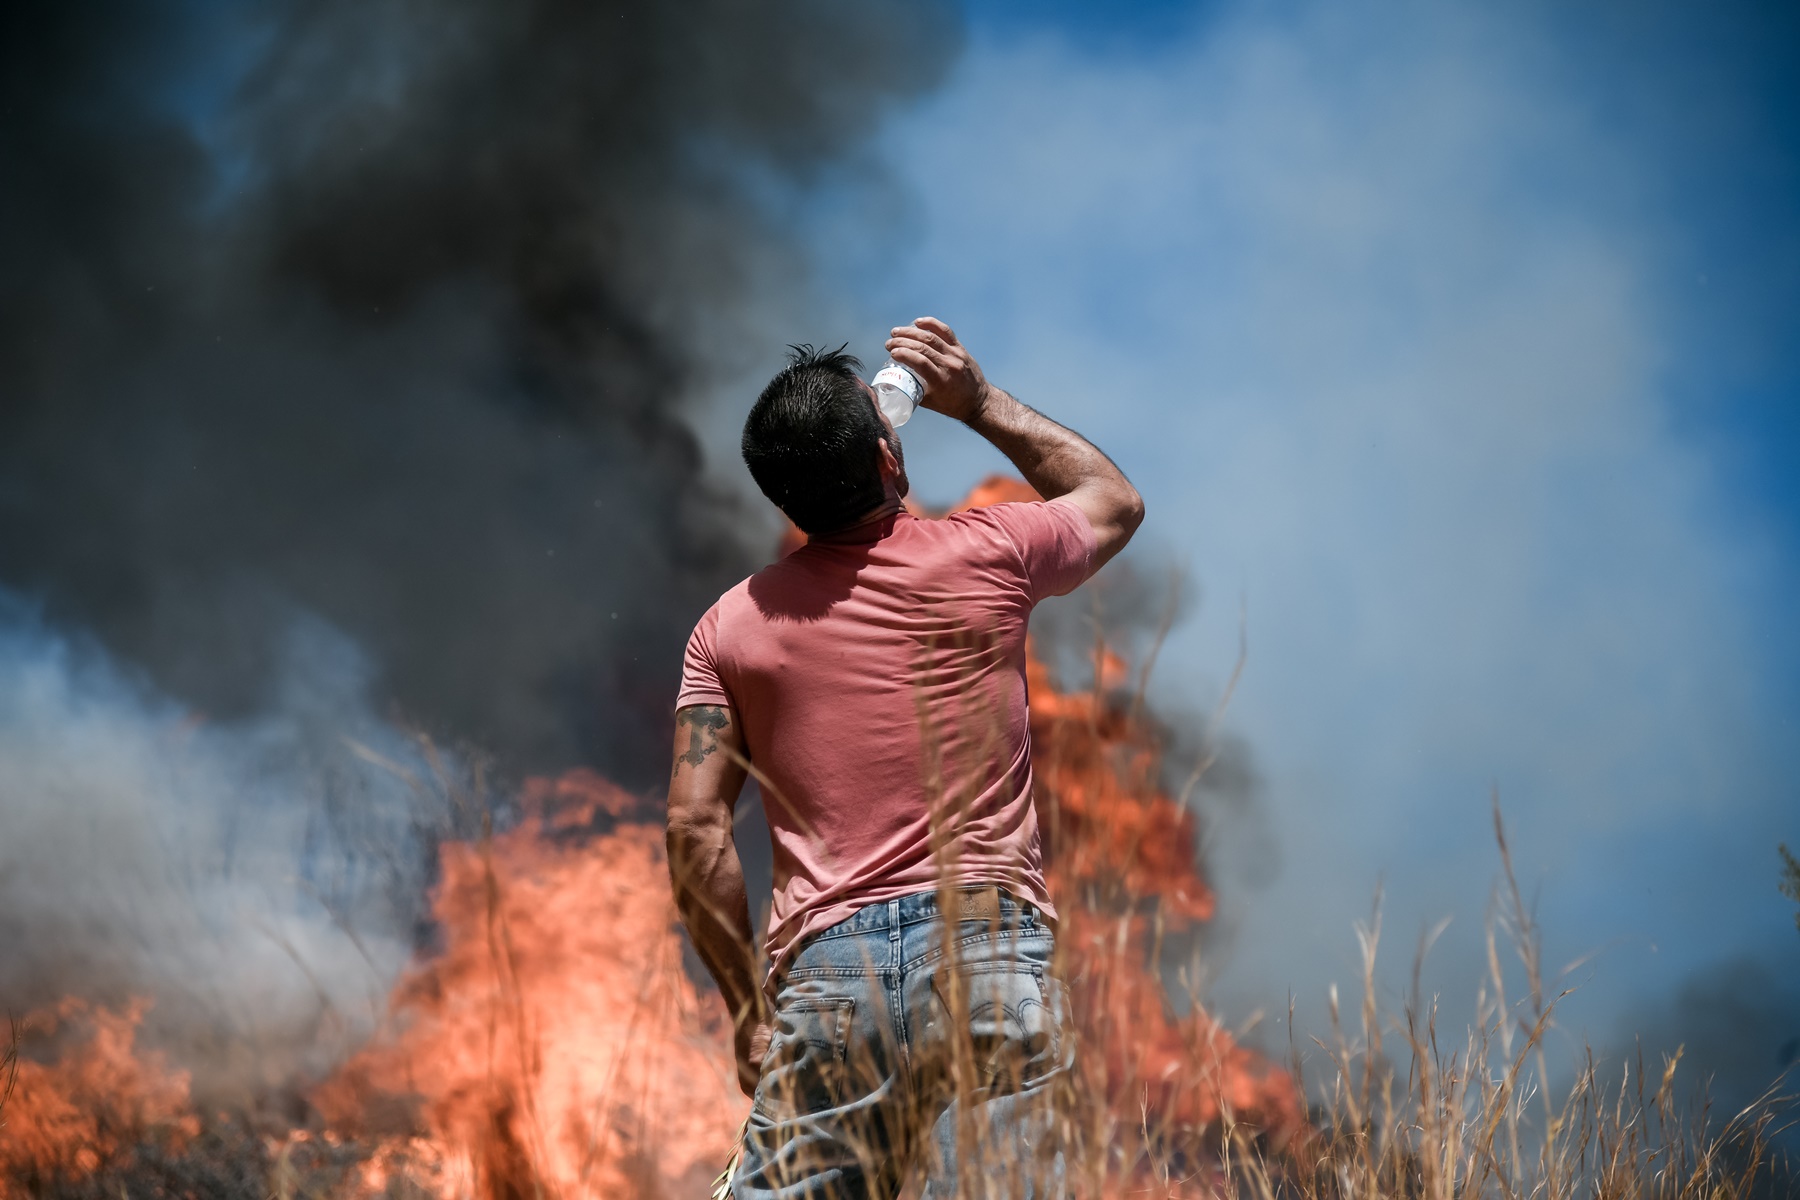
898 377
897 391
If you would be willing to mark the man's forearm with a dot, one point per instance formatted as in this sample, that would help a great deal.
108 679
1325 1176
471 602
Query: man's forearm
1057 462
1054 460
709 892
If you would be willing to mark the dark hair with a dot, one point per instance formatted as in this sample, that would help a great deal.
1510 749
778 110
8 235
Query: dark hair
810 441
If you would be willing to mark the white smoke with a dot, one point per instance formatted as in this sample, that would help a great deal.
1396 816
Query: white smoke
257 880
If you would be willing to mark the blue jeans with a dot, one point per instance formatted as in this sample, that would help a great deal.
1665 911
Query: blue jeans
896 1047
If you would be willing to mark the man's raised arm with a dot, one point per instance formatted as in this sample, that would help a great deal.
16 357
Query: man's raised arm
1056 461
704 783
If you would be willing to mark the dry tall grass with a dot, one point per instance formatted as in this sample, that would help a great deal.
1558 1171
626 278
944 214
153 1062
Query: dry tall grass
1403 1113
1400 1111
1483 1116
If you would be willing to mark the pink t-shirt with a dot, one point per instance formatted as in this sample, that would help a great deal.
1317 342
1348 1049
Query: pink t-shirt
878 675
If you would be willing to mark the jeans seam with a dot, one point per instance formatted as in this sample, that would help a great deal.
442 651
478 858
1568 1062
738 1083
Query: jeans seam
801 973
895 978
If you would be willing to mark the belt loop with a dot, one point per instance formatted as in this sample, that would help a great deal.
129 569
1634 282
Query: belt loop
894 933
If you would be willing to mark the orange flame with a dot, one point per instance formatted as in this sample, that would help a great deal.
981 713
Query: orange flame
1122 867
94 1104
557 1047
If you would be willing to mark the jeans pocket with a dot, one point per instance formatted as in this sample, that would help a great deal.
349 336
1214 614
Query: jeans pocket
1010 1030
805 1068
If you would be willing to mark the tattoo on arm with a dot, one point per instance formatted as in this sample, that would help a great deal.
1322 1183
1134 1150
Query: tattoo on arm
703 721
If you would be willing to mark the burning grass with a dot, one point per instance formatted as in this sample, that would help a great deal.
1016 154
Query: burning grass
554 1044
99 1106
510 1071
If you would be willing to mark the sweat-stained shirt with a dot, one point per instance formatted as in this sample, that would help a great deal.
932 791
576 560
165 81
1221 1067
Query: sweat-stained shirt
878 675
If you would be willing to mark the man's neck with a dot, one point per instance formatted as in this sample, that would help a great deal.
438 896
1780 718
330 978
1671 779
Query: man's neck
874 515
886 508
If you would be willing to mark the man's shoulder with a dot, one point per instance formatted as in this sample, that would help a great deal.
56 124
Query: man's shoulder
987 535
732 597
766 594
1003 522
971 539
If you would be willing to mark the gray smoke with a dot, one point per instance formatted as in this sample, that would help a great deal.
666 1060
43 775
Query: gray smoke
344 353
258 880
1736 1026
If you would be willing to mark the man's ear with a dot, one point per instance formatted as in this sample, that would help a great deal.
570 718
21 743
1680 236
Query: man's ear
890 466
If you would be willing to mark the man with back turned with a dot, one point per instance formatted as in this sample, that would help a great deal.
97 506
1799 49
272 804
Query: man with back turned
874 681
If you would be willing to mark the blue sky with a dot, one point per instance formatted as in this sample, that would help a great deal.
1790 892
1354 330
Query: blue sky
1461 344
1703 102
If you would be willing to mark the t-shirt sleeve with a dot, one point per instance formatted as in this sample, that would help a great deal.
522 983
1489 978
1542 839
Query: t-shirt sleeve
701 681
1055 543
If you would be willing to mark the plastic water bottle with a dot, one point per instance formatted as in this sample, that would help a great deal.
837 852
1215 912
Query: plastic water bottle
898 391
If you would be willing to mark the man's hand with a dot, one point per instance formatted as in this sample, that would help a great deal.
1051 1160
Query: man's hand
954 384
752 1043
1055 461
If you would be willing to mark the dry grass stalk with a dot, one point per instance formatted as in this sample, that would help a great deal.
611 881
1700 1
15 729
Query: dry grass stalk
9 1066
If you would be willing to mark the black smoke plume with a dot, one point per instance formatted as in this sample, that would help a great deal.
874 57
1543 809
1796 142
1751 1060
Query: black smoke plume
386 311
